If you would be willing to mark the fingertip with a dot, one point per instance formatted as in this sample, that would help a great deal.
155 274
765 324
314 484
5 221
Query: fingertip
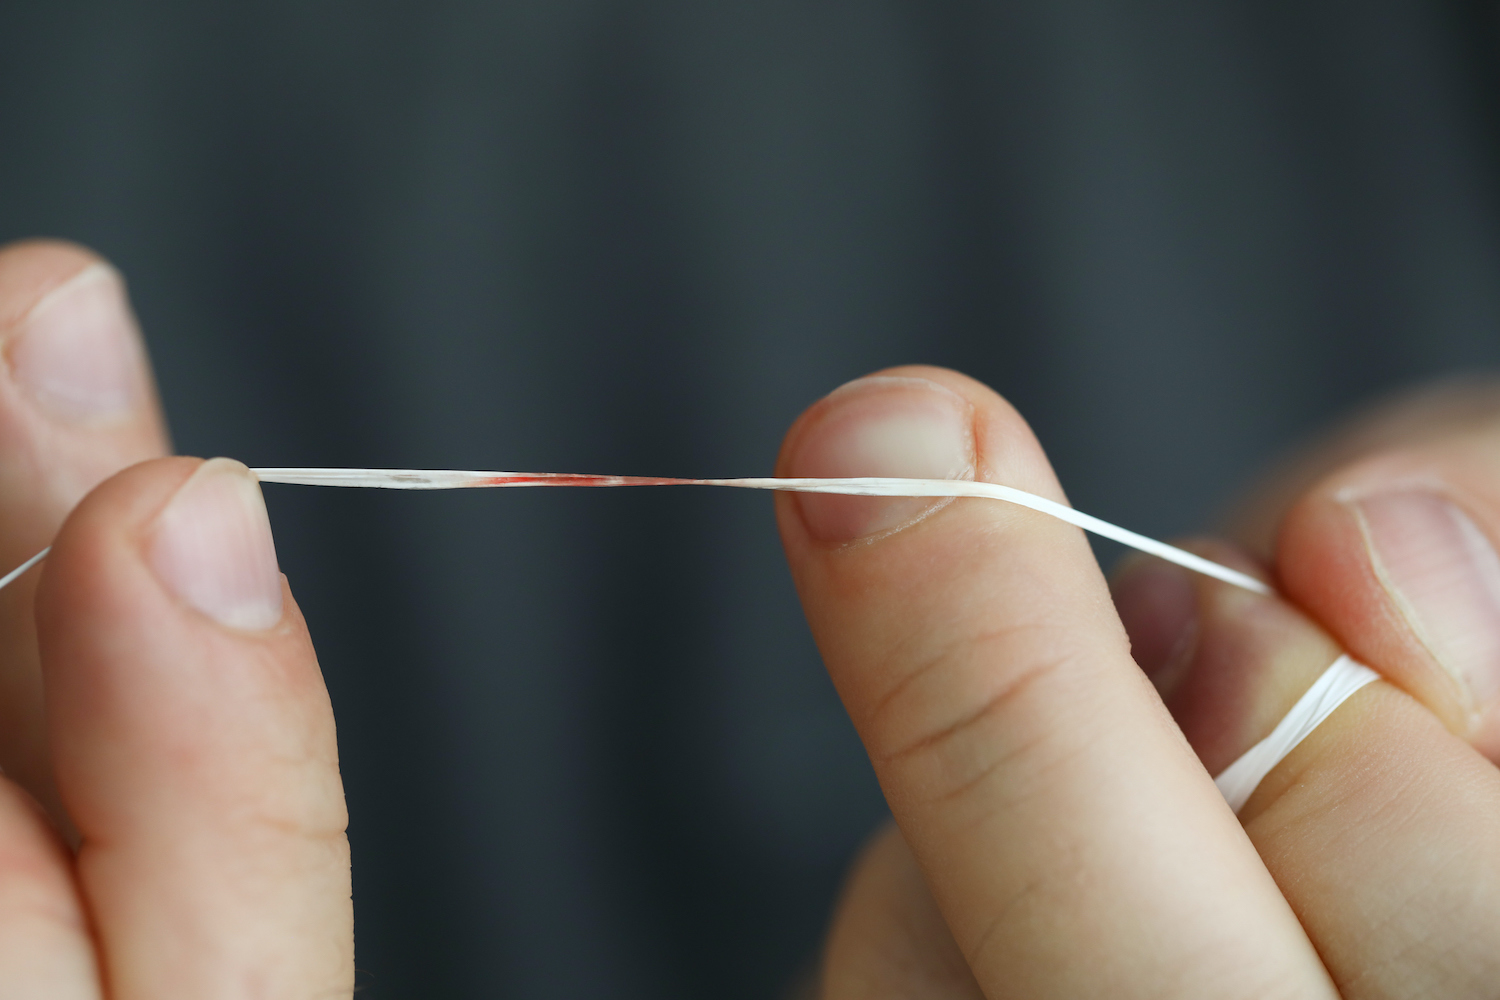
77 398
161 572
115 513
211 546
910 421
31 269
188 723
883 425
1383 553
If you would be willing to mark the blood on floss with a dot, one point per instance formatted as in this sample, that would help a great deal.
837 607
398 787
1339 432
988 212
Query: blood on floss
1236 782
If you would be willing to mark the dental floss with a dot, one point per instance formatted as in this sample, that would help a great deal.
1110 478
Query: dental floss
448 479
13 574
1328 692
1236 782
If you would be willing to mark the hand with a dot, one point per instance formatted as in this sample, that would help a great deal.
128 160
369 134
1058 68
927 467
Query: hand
186 747
1058 835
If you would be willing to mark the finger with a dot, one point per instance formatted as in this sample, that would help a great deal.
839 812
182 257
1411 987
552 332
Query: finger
194 742
1430 412
888 940
1227 668
1381 828
1395 554
76 405
45 948
1035 775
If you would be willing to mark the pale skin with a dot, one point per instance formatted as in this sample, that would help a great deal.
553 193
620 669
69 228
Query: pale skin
1055 834
172 822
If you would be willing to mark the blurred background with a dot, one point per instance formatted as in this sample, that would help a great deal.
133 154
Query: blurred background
589 747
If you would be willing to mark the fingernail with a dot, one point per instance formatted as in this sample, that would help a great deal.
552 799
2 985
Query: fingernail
1442 572
213 547
881 426
1158 606
77 353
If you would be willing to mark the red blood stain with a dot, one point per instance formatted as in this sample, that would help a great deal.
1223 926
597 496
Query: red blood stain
567 479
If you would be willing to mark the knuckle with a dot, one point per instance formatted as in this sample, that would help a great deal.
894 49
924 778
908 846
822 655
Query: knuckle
971 709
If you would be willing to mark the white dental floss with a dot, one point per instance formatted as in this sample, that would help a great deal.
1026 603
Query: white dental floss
1346 676
1236 783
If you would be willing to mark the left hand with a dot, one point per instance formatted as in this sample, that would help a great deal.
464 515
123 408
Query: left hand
166 708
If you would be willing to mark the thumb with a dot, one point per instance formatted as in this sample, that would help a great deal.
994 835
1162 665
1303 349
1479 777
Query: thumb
194 742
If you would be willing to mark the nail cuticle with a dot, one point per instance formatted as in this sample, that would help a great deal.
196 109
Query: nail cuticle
1413 623
1414 482
881 426
1441 573
936 504
211 546
76 354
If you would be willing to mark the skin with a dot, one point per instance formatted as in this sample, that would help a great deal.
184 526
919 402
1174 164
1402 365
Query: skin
1055 834
172 822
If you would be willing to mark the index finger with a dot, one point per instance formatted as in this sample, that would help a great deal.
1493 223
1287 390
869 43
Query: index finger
1071 838
77 405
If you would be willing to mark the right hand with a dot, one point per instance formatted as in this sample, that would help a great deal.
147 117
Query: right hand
1056 835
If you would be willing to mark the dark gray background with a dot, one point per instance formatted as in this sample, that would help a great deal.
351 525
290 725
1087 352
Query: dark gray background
589 748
